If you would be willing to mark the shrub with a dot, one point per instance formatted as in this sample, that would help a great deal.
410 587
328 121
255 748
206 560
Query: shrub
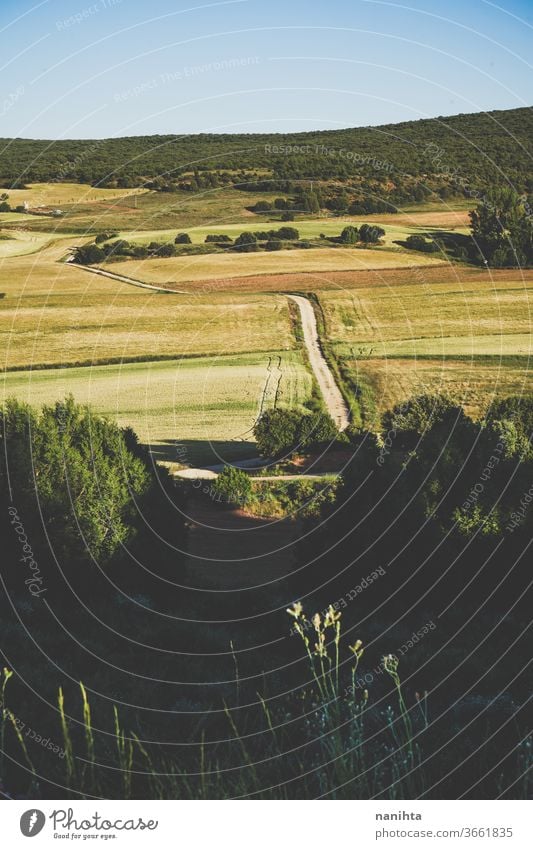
220 239
233 486
418 243
350 235
276 432
316 429
182 239
246 242
273 245
89 254
371 233
288 233
287 216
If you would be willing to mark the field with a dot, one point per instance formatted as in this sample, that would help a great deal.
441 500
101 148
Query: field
397 321
180 270
57 194
470 338
307 228
187 411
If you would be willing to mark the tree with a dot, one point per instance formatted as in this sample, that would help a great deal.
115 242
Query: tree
262 206
276 432
273 245
74 472
288 233
233 486
182 239
316 429
371 233
417 242
89 254
502 228
350 235
246 242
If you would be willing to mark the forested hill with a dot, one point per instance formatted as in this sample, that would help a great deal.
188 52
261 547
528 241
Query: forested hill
482 148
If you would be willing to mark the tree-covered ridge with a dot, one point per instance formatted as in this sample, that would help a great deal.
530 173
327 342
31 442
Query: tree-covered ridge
477 149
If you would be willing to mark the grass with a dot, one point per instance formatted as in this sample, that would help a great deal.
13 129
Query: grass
307 228
151 211
330 739
58 194
469 337
216 266
84 319
197 403
15 243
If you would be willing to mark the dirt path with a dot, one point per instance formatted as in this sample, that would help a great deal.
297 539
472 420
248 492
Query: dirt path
337 407
122 279
230 549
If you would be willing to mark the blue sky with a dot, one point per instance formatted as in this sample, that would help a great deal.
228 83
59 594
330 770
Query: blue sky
95 68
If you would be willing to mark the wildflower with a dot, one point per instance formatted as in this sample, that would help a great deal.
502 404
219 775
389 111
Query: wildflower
357 649
332 616
296 610
390 664
316 622
320 646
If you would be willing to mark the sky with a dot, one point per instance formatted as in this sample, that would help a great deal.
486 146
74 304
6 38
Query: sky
101 68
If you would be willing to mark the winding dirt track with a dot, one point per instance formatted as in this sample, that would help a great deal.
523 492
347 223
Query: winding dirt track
337 407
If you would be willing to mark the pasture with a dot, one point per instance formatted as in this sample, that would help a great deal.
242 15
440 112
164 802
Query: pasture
187 410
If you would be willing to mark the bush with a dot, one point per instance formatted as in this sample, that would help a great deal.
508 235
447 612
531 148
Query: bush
287 216
262 206
219 239
316 429
80 470
182 239
273 245
288 234
246 242
276 432
104 237
89 254
418 243
371 233
233 486
350 235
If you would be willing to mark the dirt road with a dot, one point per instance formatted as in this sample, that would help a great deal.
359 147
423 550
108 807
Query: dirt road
122 279
335 403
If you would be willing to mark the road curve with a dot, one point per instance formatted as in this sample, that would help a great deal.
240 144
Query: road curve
335 403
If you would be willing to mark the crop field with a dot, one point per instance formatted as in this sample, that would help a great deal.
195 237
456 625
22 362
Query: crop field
215 266
107 321
471 381
209 404
470 338
56 194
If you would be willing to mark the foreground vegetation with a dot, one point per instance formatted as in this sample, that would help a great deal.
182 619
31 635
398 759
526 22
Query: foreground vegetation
174 706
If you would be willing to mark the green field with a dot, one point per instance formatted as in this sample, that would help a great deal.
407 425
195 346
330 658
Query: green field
307 228
188 411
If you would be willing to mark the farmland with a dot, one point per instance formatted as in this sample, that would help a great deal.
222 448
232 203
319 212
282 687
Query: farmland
395 320
469 338
186 410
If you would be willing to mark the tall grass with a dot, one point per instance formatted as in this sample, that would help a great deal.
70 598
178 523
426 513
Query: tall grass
325 739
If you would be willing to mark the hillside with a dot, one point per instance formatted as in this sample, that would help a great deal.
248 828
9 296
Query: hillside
475 149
